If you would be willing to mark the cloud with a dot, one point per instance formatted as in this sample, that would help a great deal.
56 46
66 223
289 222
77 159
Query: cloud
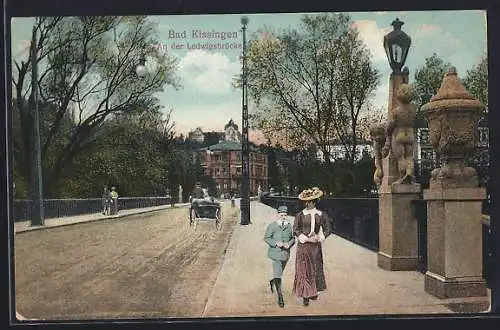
373 37
208 72
426 30
435 31
402 13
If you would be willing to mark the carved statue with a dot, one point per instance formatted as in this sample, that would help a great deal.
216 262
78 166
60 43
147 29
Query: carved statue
400 135
377 134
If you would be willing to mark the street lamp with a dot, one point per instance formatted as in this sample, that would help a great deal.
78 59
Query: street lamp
141 69
396 45
245 178
157 53
37 214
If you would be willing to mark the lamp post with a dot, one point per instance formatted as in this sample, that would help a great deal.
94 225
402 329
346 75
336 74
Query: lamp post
398 223
245 182
37 213
141 68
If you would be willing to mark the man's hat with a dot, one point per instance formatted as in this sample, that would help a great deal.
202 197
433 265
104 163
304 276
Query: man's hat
310 194
283 209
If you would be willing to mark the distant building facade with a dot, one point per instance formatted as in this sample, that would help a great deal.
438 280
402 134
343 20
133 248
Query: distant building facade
338 151
222 161
196 135
230 133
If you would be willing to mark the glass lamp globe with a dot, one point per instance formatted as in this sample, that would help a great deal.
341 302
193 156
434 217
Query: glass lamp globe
141 70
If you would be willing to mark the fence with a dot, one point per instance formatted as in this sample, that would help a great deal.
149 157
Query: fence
356 219
487 254
55 208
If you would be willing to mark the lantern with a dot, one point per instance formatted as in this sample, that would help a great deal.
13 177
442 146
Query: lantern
141 69
396 44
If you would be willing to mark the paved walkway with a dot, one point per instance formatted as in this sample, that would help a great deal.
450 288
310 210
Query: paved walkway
355 284
22 226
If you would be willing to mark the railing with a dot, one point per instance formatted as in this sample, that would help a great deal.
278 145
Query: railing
55 208
355 219
487 258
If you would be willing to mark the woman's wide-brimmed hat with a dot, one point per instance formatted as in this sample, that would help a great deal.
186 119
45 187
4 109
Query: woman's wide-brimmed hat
310 194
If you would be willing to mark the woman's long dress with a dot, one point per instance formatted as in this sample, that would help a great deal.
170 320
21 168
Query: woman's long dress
309 275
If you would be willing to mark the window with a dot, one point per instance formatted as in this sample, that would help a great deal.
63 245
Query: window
427 154
483 136
424 136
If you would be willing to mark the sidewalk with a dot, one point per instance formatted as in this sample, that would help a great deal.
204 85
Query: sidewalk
24 226
356 286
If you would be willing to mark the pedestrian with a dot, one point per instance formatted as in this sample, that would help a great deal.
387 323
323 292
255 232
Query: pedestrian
114 198
106 200
311 227
279 237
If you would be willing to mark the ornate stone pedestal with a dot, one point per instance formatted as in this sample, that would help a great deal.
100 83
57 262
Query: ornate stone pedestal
454 265
398 227
454 232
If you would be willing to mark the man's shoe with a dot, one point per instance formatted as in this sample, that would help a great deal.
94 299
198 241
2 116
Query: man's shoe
281 302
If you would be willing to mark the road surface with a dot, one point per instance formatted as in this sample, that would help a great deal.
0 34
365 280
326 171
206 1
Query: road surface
148 265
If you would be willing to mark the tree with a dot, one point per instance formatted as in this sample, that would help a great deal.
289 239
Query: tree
131 154
428 77
87 73
310 85
476 81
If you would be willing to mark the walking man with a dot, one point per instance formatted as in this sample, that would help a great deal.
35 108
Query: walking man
106 200
279 237
114 198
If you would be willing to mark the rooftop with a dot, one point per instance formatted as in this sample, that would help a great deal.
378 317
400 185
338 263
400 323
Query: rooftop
228 146
225 146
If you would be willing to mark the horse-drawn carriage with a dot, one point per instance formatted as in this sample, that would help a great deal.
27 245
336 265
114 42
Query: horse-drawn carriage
205 209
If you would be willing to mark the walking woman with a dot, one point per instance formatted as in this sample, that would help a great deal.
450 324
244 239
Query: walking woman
279 237
310 228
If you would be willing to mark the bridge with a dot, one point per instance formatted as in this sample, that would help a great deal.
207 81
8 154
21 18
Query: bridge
149 263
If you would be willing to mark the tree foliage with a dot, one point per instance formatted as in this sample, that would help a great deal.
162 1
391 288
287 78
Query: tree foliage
428 78
87 74
132 154
476 81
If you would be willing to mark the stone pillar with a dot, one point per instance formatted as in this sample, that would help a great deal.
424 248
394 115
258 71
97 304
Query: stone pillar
398 225
454 242
454 230
180 194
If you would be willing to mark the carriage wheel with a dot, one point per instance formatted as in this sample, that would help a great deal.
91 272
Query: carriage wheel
218 220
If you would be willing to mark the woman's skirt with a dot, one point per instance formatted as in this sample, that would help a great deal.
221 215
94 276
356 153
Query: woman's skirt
309 275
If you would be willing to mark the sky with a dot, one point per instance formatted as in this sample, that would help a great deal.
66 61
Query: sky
207 98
